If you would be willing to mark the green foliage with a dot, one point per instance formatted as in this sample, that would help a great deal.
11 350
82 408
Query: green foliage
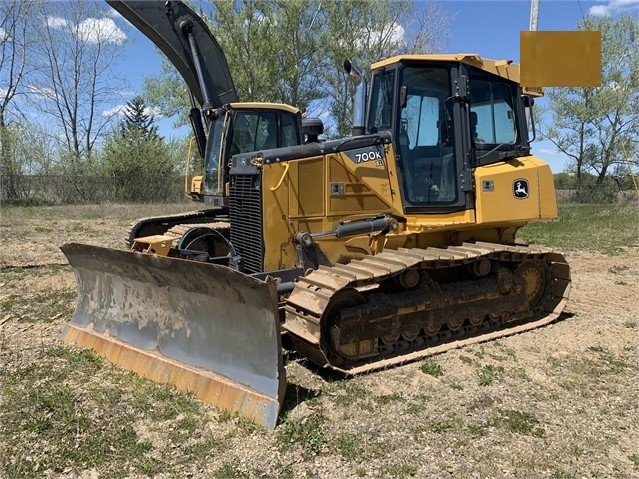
365 32
519 422
488 374
292 52
307 432
137 122
432 368
24 152
598 127
400 470
348 446
601 228
48 410
445 425
138 160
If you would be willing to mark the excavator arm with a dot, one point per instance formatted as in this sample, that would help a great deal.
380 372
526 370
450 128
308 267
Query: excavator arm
189 45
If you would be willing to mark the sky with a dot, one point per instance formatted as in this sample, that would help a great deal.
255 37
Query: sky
489 28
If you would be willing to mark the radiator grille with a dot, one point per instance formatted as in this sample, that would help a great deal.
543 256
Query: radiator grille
245 205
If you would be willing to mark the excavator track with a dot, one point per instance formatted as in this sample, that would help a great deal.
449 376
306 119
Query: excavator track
402 305
180 230
157 225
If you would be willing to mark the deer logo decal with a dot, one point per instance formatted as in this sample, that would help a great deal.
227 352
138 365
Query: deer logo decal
520 188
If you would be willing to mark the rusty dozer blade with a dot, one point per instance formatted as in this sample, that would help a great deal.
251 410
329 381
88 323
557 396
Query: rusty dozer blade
204 328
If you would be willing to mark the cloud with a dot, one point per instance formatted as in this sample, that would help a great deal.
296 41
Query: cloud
3 34
153 111
547 152
100 30
599 11
116 110
120 110
392 35
42 92
614 7
91 30
127 93
57 22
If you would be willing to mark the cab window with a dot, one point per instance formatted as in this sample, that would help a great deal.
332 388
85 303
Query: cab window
492 119
381 109
290 130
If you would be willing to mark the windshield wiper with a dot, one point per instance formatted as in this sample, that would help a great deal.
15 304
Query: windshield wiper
491 151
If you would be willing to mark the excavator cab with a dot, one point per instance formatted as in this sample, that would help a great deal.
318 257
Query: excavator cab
241 128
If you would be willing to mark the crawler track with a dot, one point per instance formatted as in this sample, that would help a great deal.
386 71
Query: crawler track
406 304
155 225
179 230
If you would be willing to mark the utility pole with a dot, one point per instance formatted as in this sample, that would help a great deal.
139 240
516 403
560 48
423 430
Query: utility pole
534 13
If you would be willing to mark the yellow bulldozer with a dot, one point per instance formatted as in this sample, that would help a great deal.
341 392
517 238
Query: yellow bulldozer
392 244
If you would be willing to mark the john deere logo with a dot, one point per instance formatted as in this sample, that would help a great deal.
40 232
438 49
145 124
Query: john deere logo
520 188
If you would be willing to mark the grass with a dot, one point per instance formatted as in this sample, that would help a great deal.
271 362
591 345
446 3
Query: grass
386 399
71 409
488 374
307 432
400 470
482 402
65 408
519 422
432 368
104 211
348 446
445 425
72 427
606 228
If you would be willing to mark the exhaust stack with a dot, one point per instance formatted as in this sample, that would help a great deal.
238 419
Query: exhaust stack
356 75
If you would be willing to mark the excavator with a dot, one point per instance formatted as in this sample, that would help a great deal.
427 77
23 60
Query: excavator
390 245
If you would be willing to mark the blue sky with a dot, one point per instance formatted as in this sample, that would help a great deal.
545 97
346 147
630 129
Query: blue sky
490 28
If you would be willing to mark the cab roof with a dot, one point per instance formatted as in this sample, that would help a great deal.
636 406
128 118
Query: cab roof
503 68
264 106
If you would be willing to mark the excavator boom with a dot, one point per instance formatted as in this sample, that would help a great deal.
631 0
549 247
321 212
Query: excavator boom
187 42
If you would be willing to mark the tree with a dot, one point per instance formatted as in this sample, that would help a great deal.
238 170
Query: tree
15 43
271 48
598 128
136 158
292 51
137 121
76 83
366 32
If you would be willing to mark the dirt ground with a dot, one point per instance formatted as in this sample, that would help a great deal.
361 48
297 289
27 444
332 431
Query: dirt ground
557 402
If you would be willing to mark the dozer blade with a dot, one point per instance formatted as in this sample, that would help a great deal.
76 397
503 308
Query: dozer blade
204 328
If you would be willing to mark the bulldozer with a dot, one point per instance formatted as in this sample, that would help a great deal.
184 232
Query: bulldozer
366 252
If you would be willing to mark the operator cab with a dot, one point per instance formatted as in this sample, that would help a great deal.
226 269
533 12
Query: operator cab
242 128
448 114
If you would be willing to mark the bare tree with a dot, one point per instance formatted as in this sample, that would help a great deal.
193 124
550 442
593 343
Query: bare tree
14 69
76 85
